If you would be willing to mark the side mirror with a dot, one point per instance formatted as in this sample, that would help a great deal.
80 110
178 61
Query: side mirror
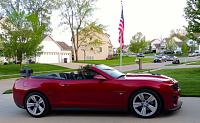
99 77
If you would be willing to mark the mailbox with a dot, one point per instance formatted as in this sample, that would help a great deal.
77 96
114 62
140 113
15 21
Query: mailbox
26 72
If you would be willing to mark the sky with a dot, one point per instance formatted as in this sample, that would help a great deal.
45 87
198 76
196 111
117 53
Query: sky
154 18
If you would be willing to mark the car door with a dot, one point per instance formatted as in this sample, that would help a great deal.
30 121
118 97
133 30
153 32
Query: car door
82 93
92 93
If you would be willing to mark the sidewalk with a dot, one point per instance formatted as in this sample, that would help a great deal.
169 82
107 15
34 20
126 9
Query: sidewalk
144 66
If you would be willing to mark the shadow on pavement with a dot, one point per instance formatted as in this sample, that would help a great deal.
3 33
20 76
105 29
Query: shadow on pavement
88 113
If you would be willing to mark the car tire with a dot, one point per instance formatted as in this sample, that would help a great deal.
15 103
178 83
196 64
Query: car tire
145 103
37 105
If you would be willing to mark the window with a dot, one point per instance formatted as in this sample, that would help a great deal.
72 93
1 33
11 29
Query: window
89 57
100 49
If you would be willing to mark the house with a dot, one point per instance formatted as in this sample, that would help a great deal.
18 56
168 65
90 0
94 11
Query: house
178 44
99 52
157 45
54 51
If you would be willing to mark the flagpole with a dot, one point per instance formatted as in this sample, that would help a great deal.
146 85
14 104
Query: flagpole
120 54
121 44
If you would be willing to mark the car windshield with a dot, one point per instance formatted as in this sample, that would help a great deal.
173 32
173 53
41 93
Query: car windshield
110 71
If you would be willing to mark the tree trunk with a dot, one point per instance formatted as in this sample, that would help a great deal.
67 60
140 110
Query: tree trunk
20 62
77 43
74 47
76 55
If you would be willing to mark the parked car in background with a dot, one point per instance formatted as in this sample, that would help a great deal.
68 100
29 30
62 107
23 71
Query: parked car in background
192 54
178 52
3 61
171 58
168 52
197 52
160 58
16 62
140 55
97 87
176 61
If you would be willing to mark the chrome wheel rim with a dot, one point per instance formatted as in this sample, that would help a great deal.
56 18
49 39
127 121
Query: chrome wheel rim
145 104
35 105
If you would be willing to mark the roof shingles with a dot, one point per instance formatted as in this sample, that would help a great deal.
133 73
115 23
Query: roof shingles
64 46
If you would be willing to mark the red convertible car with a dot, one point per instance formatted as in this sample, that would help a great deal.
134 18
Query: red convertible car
97 87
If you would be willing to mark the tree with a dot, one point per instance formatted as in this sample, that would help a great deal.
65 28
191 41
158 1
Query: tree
91 35
24 27
192 15
22 35
179 33
75 14
185 48
138 43
1 47
170 44
43 8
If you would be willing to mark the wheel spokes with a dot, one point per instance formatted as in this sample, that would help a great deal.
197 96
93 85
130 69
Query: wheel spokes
35 110
41 109
33 99
152 108
40 101
30 105
144 111
137 104
141 97
150 98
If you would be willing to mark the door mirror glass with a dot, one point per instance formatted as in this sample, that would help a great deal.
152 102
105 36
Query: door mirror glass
99 77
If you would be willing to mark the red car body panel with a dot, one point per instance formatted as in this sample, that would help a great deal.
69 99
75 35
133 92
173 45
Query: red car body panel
111 93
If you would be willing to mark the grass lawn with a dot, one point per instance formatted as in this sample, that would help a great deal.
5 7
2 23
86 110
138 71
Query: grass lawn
194 63
11 69
8 91
115 61
189 79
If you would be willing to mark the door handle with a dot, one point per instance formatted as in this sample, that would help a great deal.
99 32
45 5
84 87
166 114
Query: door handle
64 85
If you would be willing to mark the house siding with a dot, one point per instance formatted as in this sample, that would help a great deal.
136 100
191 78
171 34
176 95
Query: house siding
100 52
52 53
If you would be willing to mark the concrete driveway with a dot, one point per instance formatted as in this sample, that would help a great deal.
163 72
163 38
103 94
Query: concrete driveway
6 84
9 113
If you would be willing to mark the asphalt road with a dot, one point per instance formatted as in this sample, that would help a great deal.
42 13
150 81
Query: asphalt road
9 113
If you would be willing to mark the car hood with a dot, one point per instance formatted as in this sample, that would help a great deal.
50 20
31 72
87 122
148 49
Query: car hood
151 77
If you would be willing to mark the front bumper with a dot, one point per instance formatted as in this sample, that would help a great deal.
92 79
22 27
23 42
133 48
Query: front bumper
177 107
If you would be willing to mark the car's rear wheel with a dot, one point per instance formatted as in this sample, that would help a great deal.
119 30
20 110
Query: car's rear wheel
36 104
145 103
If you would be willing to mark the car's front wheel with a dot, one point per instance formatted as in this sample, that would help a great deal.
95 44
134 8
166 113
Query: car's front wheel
145 103
36 104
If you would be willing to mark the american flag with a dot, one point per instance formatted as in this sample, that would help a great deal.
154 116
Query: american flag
121 30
